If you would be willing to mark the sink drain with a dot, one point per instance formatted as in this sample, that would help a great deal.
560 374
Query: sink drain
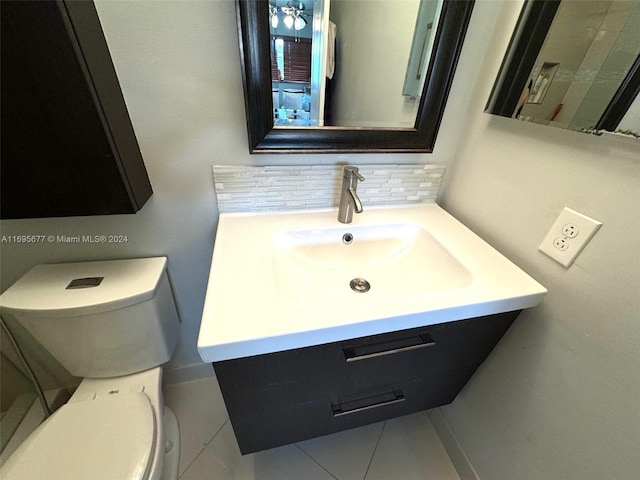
359 285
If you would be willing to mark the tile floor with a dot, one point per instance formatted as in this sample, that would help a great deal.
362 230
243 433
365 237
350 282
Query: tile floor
404 448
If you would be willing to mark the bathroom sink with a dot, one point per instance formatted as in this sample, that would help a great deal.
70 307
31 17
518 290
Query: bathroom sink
397 259
288 280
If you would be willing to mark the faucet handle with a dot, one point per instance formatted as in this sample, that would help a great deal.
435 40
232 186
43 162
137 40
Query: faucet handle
350 171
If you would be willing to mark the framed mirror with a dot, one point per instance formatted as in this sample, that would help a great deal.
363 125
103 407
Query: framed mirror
436 33
573 64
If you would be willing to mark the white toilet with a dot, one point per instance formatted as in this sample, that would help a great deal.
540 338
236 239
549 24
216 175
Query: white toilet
113 323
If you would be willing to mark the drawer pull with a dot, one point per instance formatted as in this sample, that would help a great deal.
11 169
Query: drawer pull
364 352
375 401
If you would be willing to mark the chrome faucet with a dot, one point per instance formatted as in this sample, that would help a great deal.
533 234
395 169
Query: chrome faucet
349 200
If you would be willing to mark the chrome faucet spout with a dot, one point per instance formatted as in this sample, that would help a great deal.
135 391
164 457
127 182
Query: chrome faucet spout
349 200
357 204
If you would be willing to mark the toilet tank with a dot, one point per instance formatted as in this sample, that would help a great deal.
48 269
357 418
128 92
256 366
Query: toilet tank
98 319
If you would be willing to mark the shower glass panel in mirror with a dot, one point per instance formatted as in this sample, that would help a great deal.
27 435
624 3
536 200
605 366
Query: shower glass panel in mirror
20 411
350 63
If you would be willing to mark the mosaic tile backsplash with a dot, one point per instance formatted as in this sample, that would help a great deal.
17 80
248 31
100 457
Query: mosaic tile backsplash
273 188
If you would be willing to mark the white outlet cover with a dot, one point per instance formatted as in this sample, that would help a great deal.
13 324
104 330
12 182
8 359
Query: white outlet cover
587 227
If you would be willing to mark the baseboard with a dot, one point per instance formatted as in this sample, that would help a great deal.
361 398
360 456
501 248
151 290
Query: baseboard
187 373
452 446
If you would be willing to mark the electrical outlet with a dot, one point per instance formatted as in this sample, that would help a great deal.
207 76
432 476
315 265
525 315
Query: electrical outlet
570 230
561 243
568 236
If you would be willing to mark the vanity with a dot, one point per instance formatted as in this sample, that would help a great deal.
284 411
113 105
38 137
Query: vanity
300 350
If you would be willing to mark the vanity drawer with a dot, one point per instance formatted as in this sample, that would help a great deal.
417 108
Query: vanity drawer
314 372
259 428
413 353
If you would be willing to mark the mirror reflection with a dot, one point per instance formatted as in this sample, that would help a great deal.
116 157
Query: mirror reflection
584 77
433 51
349 63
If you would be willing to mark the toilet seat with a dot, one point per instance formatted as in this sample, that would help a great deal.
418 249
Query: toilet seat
110 437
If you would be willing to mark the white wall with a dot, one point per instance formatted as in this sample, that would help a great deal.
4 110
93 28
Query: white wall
159 52
179 67
373 43
559 396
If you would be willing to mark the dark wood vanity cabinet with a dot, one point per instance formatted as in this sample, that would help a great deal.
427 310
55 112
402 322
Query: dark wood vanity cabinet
68 146
289 396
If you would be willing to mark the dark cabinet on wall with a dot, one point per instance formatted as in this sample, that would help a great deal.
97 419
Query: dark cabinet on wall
68 146
289 396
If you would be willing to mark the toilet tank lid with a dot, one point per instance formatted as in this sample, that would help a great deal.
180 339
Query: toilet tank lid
85 288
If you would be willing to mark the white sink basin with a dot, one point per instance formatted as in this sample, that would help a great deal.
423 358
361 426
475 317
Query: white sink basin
282 280
316 265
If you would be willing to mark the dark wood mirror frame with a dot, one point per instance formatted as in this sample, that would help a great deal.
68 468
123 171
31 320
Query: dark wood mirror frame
253 30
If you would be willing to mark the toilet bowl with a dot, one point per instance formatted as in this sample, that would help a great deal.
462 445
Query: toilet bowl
115 426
